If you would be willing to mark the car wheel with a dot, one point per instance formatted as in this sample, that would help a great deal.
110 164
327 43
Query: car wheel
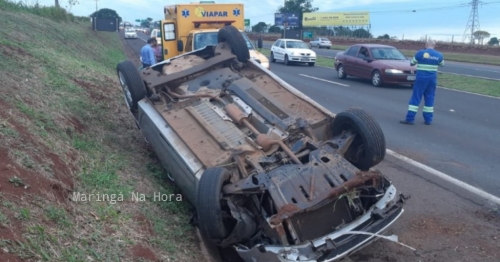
311 64
234 38
376 78
132 84
214 220
368 147
272 58
340 72
286 60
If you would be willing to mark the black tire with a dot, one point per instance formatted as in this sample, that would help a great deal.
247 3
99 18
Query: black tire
341 72
234 38
209 207
131 82
272 58
368 148
376 78
287 63
311 64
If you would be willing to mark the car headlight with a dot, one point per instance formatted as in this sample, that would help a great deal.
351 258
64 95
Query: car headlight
394 71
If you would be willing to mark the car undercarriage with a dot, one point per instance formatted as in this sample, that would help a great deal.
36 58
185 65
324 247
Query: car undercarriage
277 176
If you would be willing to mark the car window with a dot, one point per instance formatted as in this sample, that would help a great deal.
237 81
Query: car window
387 53
282 44
277 43
211 38
353 51
296 44
363 53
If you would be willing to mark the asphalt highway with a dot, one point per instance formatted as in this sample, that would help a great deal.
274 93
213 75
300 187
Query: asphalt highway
488 71
463 141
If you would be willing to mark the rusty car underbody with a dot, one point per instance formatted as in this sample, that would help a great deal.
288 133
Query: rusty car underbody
275 176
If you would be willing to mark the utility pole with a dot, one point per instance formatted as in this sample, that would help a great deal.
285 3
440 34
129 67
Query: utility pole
96 6
473 22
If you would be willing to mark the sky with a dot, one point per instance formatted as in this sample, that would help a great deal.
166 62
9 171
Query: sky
440 20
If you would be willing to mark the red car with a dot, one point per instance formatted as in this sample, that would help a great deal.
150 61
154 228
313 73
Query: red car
383 64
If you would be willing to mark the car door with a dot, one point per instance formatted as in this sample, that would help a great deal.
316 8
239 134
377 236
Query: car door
166 153
350 60
275 47
364 63
282 50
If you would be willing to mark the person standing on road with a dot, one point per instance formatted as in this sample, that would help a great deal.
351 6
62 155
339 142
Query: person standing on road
148 57
427 60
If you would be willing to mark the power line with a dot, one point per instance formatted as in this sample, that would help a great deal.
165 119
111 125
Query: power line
430 9
472 23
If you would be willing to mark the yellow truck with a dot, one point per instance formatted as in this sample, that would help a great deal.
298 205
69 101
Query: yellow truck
189 27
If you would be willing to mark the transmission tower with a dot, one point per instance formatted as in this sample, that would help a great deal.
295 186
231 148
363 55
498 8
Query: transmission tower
473 22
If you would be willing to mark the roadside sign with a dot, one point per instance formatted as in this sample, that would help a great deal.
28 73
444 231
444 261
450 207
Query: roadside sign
308 34
247 22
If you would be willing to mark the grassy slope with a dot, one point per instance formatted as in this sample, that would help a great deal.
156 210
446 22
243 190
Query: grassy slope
63 128
463 83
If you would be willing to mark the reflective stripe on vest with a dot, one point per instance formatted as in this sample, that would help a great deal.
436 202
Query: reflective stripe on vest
424 67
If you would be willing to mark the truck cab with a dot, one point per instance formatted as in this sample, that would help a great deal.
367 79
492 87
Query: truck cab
193 26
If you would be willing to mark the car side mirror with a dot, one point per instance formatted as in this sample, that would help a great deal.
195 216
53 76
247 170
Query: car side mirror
180 45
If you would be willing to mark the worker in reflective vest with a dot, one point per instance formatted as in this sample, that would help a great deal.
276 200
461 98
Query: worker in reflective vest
427 60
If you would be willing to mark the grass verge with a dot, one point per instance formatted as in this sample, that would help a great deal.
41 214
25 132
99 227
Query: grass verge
457 57
463 83
64 129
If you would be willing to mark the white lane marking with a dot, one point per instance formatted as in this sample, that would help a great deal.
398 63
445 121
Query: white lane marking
452 110
461 91
446 177
480 77
494 71
324 80
470 93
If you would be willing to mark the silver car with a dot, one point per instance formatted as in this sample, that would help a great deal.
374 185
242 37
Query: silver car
273 175
320 43
130 33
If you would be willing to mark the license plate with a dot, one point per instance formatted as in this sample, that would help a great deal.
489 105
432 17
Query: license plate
304 59
410 78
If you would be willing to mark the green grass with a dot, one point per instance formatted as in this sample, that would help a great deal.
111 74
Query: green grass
464 83
449 56
470 84
55 72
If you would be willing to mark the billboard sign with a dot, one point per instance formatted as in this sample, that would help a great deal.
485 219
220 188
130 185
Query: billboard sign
336 19
288 19
247 22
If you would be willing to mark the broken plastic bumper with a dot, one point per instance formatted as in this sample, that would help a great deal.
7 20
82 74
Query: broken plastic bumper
338 244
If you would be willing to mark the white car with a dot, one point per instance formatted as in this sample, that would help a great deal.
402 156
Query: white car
130 33
320 43
292 51
157 34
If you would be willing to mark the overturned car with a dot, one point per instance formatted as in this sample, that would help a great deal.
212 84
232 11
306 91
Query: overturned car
272 174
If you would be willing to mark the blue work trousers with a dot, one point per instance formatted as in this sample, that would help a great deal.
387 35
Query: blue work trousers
422 87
